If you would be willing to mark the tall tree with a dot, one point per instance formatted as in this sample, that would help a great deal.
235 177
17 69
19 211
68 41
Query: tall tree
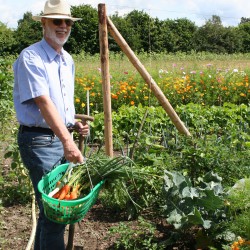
84 34
244 30
140 24
121 25
28 32
210 37
244 20
183 31
7 40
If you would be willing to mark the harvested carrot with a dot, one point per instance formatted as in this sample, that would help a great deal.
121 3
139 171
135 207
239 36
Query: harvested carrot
67 197
65 190
74 193
56 195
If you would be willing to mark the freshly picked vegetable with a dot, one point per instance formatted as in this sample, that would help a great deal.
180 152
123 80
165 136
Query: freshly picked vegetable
69 191
123 179
80 179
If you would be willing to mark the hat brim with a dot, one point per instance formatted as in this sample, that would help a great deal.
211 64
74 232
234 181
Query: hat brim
38 18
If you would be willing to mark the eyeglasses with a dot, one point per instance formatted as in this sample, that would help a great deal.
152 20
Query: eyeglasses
59 22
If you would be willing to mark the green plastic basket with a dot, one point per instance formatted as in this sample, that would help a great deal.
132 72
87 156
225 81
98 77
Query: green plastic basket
64 211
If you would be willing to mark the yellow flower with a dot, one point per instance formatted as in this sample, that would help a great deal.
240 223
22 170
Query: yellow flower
77 100
239 84
242 94
83 105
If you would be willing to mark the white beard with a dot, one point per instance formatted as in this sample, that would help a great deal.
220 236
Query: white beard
52 36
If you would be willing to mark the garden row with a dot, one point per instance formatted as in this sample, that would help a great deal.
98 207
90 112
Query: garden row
198 172
191 178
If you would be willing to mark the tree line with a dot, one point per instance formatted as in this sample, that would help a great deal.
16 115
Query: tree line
142 32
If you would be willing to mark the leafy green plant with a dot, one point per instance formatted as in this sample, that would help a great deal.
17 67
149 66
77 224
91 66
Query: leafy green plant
143 187
140 236
6 102
239 208
190 204
15 185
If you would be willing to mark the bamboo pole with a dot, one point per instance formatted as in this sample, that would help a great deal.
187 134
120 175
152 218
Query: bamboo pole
147 77
104 56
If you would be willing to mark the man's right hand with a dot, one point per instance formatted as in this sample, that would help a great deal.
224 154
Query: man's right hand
72 153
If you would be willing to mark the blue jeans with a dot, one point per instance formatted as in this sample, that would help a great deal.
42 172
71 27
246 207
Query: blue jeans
39 153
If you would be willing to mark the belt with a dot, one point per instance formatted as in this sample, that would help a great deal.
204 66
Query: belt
24 128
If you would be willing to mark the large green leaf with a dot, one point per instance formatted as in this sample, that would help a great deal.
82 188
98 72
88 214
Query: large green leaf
195 218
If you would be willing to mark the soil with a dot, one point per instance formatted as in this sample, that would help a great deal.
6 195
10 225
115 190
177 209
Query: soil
90 234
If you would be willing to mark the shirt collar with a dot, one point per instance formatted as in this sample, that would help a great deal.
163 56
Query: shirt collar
52 54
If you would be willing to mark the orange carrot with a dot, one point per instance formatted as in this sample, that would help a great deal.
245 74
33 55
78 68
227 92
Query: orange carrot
56 195
67 197
73 194
65 190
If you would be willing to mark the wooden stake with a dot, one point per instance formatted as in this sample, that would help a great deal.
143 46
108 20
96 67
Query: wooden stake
104 54
147 77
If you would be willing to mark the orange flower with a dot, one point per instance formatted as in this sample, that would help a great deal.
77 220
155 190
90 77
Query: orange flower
114 96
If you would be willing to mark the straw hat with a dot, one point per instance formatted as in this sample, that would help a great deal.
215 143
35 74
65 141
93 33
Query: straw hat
56 9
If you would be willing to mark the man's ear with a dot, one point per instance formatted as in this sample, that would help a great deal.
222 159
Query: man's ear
43 22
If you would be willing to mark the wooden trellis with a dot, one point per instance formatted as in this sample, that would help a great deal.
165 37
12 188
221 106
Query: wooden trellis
105 25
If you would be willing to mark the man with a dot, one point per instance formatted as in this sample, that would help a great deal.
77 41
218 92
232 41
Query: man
44 103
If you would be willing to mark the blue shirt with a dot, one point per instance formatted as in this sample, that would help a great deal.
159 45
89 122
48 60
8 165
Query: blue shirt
40 70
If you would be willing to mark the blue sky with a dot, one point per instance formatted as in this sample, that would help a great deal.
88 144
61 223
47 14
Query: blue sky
198 11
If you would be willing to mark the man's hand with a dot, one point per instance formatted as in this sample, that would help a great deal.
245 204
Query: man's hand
72 153
82 129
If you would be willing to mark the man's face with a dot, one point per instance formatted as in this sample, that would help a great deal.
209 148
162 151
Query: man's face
56 31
